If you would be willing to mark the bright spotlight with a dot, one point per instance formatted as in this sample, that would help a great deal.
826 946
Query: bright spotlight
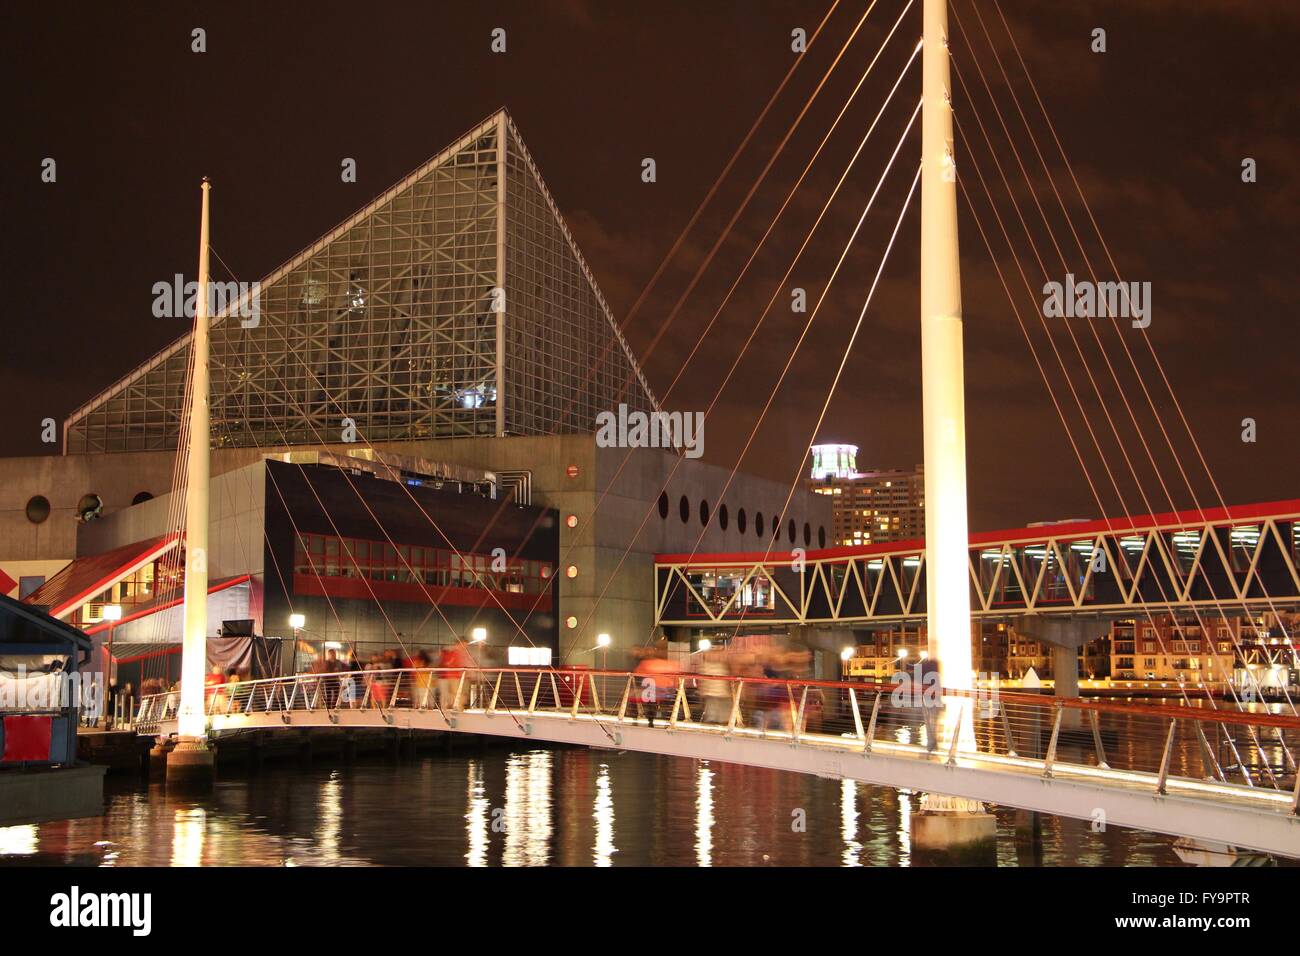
297 621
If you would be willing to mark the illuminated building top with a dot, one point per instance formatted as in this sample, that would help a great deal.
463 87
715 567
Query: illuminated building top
834 461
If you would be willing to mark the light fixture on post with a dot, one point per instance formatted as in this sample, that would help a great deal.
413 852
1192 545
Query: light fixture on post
478 635
297 622
112 613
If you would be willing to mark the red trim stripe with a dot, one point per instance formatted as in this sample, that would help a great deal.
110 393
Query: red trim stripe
1174 519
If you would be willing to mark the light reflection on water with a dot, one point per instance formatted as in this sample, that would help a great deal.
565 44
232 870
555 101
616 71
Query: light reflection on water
531 807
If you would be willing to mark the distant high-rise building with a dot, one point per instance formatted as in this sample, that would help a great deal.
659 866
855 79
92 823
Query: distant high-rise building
872 506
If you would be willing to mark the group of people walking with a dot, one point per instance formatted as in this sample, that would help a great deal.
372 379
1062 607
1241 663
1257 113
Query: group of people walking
709 683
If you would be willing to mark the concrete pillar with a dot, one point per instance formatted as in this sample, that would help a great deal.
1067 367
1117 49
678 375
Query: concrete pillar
1065 674
1029 838
954 831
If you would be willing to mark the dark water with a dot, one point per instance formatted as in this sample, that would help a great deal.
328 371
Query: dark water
531 807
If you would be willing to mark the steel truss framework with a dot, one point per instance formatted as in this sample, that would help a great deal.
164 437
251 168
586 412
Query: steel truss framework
1247 555
391 320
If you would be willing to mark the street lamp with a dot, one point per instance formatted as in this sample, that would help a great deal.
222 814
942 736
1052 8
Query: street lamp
478 635
297 622
846 654
112 613
706 644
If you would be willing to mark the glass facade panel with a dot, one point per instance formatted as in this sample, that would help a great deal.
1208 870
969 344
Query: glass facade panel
394 321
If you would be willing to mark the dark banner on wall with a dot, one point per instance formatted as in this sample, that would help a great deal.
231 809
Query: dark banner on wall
251 657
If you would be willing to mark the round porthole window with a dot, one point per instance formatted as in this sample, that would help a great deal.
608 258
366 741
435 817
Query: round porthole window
89 507
38 509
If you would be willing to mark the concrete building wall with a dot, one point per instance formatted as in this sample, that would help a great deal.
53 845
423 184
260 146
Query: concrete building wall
237 515
63 480
619 527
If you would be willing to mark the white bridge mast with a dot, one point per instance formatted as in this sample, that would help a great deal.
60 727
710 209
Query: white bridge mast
191 761
948 618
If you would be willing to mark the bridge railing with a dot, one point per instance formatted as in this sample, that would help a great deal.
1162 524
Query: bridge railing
1156 745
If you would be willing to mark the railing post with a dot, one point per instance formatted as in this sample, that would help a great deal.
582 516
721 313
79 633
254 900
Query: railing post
734 716
871 727
622 704
429 685
1295 797
956 735
496 691
1006 730
1051 746
857 716
455 699
595 695
1207 752
1164 760
397 689
577 696
798 717
532 701
677 700
1096 739
1288 761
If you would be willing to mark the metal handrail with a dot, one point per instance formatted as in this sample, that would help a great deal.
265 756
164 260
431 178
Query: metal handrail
1012 729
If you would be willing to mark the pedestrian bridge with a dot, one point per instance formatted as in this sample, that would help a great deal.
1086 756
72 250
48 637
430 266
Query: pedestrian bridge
1212 775
1243 558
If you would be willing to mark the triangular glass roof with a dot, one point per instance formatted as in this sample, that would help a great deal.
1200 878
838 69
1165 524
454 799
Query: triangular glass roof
456 304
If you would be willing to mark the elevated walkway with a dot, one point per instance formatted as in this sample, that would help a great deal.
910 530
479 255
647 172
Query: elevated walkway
1210 775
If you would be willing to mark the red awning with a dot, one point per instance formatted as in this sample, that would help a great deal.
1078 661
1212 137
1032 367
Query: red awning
86 577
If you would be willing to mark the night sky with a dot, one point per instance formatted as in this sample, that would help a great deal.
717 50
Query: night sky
1156 129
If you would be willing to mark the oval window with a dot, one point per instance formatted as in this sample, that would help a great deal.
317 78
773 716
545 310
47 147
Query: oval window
38 509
